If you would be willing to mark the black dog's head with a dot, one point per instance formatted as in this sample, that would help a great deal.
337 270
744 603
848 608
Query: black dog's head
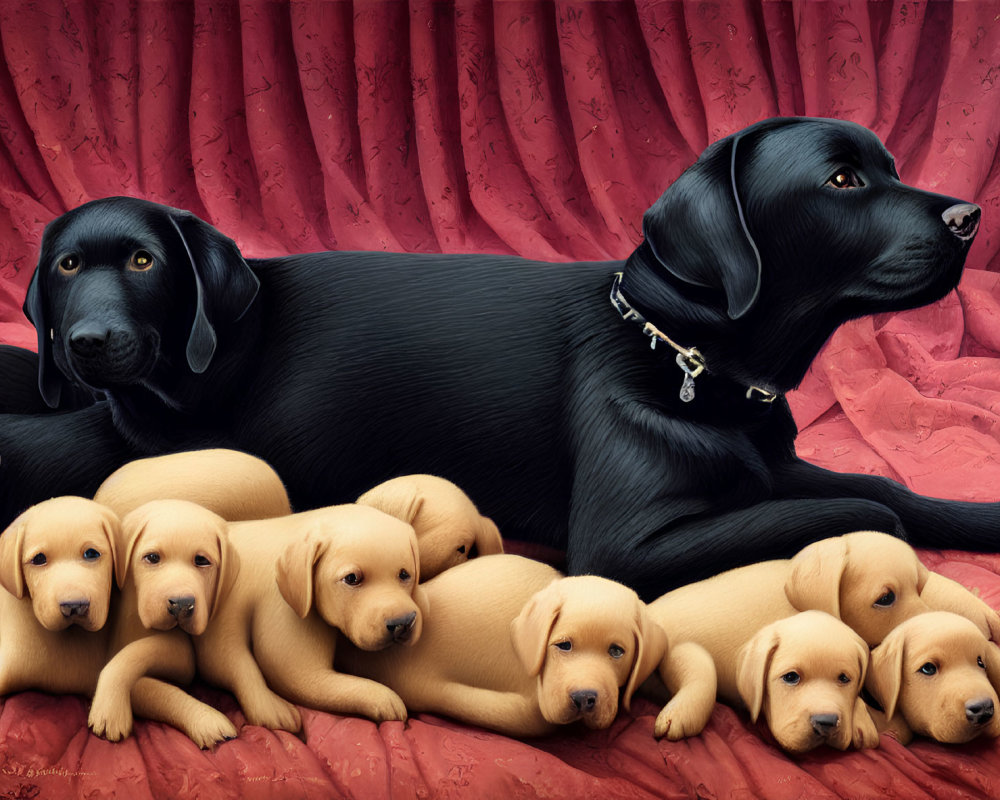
788 228
125 289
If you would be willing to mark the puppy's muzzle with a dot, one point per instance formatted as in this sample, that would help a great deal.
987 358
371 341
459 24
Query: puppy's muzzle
584 700
979 712
963 220
824 725
401 628
180 608
75 609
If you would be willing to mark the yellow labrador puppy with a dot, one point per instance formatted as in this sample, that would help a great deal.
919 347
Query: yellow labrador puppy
171 578
235 485
511 645
805 674
449 528
936 675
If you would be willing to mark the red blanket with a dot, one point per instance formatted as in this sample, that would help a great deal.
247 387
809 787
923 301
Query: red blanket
545 130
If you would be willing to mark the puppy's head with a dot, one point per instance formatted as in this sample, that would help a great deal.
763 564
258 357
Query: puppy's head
112 289
62 553
449 528
177 555
587 639
941 674
805 674
359 568
872 581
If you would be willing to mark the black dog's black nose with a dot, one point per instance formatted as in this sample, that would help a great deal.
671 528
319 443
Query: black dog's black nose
180 607
76 608
979 711
824 724
585 700
401 627
963 220
87 338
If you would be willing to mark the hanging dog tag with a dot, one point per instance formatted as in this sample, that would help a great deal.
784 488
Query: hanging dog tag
687 386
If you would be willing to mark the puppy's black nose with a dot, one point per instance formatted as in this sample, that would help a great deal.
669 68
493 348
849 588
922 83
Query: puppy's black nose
979 712
76 608
963 220
585 700
824 724
87 338
401 627
180 607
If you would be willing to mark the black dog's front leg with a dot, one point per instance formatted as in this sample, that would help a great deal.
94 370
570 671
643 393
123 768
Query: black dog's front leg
689 549
926 521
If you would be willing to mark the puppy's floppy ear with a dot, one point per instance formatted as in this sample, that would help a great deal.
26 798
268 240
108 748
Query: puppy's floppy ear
129 532
113 530
697 229
229 568
885 671
992 660
753 662
50 380
816 572
650 649
295 570
224 283
399 498
11 550
488 539
529 631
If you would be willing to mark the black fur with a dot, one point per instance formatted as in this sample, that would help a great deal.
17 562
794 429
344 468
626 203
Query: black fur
516 379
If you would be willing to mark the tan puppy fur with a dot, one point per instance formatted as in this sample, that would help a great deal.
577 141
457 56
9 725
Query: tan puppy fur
235 485
303 578
54 609
805 673
871 581
449 528
512 646
175 563
937 675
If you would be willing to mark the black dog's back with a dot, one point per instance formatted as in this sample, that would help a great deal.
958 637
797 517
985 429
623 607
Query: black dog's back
355 387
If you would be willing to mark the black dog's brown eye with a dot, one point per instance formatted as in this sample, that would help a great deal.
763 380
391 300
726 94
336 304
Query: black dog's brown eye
845 179
141 261
69 264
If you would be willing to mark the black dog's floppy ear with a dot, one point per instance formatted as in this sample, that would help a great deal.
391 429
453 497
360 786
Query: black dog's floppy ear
50 380
224 283
697 229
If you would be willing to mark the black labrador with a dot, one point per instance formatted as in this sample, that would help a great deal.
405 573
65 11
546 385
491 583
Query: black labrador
631 413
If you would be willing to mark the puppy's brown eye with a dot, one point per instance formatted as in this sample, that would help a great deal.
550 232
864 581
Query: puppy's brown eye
39 560
90 554
151 558
979 661
69 264
462 549
201 561
564 646
352 579
843 678
615 651
845 179
404 575
928 669
886 600
141 261
791 678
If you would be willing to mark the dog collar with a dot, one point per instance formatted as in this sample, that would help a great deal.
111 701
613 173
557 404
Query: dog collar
689 359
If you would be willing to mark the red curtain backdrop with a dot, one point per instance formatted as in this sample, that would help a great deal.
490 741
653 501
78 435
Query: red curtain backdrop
538 128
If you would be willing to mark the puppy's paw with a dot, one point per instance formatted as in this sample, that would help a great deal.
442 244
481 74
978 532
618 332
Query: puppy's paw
865 730
271 711
679 720
209 728
385 706
110 717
